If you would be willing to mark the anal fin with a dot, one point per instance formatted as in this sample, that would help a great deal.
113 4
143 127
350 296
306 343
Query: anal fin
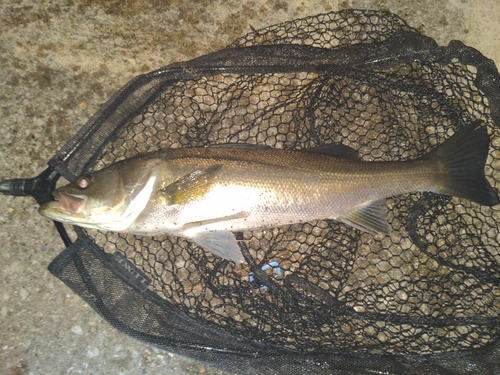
371 218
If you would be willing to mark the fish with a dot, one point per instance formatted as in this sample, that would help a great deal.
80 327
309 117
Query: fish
205 194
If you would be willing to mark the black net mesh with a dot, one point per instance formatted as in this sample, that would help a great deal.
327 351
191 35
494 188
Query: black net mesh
317 296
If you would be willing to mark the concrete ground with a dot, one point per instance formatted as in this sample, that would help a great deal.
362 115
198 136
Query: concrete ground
59 62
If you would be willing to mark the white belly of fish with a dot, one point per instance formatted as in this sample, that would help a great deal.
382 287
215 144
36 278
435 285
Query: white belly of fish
224 208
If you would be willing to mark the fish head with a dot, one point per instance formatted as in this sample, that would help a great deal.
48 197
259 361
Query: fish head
87 200
106 199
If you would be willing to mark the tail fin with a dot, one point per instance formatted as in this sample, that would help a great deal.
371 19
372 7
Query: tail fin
464 156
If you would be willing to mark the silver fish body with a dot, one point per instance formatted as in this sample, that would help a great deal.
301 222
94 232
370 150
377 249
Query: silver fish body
254 188
205 194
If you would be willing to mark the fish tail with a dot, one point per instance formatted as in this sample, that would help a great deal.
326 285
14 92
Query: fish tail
463 157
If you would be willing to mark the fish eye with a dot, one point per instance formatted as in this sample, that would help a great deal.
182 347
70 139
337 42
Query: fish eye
83 181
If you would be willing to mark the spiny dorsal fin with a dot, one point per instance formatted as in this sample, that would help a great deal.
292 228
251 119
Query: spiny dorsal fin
191 186
371 218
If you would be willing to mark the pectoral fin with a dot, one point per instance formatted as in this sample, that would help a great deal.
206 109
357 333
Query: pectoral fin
371 218
222 244
190 186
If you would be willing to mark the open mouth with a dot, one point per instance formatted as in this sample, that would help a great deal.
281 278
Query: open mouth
71 203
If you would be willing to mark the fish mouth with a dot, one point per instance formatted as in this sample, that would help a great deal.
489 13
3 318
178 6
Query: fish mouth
72 203
64 203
